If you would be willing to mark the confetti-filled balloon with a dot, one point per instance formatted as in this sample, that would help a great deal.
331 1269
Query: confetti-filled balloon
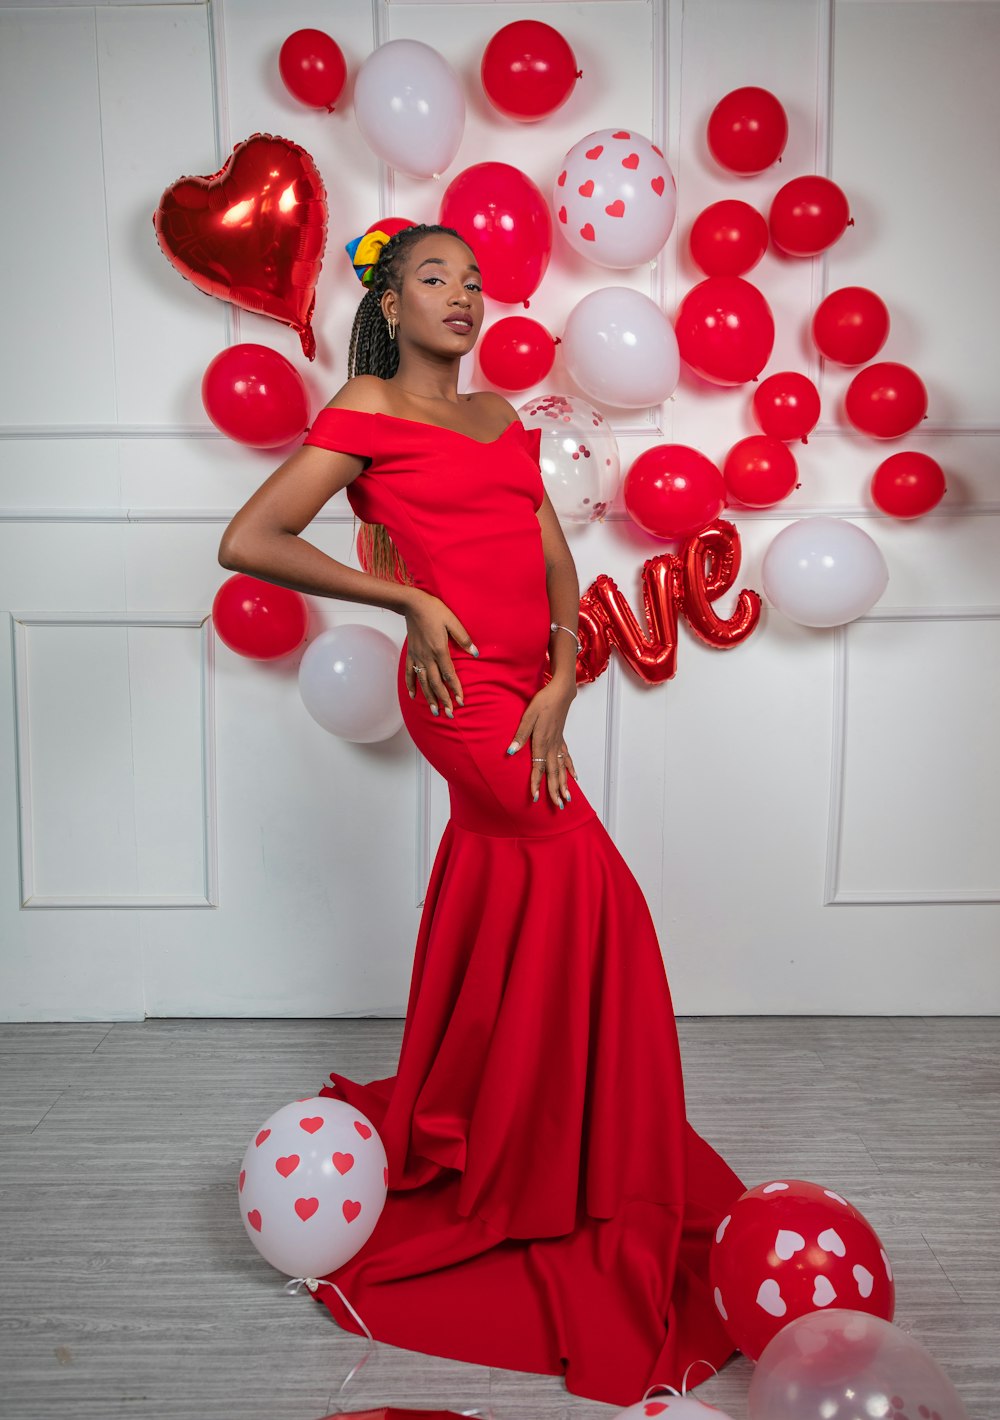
312 1185
848 1364
578 456
615 198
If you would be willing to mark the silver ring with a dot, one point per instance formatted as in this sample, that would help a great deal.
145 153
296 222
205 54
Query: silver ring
419 670
538 761
560 756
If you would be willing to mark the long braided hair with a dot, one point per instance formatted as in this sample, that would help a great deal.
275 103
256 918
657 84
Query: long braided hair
373 353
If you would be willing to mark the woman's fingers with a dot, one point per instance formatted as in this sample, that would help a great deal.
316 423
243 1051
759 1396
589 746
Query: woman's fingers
450 678
410 676
458 633
522 734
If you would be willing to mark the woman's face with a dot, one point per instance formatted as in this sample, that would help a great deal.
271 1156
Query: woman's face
441 304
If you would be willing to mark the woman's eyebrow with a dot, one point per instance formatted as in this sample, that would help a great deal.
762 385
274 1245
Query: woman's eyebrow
439 262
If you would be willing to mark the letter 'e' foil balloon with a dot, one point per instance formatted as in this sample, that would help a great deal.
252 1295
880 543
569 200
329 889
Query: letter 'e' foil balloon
253 233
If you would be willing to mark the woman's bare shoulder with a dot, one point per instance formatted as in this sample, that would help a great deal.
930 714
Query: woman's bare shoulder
365 394
494 404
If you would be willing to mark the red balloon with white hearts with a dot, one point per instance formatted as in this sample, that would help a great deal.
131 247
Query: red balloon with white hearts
615 198
312 1185
789 1247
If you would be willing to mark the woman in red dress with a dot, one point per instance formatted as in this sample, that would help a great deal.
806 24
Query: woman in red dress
550 1208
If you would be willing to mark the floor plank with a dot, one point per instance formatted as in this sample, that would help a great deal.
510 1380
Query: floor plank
129 1287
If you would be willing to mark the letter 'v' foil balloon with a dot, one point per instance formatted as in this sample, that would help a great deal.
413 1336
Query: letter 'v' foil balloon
253 233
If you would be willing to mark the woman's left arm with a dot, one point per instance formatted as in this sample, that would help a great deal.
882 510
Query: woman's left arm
544 717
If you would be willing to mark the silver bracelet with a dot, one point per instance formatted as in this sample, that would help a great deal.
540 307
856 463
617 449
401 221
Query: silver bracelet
555 626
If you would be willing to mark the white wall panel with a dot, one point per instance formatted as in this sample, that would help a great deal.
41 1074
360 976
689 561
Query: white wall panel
920 777
916 112
59 364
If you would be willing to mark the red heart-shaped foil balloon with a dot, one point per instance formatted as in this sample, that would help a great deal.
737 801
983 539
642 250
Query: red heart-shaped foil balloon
252 233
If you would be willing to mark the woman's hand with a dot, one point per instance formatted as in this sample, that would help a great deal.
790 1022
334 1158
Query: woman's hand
542 722
429 623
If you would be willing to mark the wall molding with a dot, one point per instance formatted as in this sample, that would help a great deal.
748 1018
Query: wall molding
833 894
20 625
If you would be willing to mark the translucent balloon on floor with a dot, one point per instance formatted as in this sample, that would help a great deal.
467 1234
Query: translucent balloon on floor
620 348
347 680
849 1365
578 456
312 1185
824 572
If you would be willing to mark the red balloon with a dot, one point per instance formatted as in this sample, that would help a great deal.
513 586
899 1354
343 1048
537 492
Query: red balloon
747 131
673 491
528 70
725 330
907 485
728 238
253 233
255 396
808 215
312 68
505 220
851 325
516 353
259 619
886 400
786 405
790 1247
759 471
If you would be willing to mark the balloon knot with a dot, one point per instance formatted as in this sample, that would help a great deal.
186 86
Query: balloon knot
556 340
804 439
850 221
526 304
579 73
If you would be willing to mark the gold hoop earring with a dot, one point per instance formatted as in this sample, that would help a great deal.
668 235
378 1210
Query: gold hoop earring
392 327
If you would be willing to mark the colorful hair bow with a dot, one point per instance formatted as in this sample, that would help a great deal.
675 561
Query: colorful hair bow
365 250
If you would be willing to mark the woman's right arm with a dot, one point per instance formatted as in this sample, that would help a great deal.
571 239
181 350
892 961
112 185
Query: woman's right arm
262 539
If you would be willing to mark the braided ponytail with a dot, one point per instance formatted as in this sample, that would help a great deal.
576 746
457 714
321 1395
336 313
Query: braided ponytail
371 352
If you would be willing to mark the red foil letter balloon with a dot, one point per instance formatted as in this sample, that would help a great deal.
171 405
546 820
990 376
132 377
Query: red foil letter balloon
253 233
688 584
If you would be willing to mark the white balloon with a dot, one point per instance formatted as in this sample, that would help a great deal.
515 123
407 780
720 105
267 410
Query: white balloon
312 1186
620 348
615 198
824 572
347 681
578 456
410 107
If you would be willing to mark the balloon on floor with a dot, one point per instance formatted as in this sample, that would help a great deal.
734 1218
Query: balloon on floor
312 1185
851 1365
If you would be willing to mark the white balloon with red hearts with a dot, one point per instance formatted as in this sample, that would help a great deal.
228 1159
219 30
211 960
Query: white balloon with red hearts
671 1407
615 198
312 1185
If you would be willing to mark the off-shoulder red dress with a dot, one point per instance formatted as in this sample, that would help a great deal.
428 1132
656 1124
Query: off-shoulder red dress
550 1208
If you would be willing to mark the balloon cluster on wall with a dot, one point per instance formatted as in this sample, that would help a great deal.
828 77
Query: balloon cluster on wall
253 234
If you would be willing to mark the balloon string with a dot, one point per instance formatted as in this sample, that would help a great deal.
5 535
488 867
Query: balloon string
683 1390
295 1286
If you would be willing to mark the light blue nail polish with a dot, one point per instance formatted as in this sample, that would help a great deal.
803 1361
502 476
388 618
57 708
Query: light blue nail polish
449 713
513 748
561 804
568 797
434 709
534 798
473 650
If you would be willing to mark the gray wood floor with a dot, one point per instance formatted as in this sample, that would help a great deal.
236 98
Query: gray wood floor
130 1289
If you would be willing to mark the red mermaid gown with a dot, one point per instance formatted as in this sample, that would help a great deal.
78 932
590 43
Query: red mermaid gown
550 1208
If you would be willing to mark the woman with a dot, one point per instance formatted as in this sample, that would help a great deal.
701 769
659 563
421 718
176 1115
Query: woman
550 1208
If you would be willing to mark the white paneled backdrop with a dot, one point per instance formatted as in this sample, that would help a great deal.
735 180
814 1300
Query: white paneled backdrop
814 816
